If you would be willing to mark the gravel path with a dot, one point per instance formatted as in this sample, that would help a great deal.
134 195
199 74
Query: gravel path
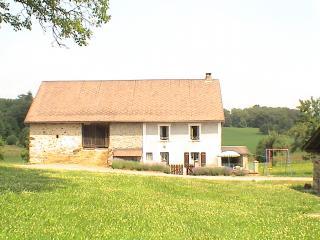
75 167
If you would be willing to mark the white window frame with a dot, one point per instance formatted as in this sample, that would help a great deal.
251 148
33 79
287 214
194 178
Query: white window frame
189 131
169 132
191 159
149 153
168 157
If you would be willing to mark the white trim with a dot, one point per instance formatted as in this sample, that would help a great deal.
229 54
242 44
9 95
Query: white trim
194 124
169 132
144 136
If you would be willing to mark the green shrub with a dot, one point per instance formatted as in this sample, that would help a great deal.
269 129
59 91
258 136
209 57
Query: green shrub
12 140
133 165
25 155
212 171
159 168
240 172
1 142
24 137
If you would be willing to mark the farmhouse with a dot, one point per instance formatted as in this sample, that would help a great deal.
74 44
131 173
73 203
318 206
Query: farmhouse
313 146
172 121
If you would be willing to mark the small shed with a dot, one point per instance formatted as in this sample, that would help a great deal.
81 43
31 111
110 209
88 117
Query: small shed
313 146
241 161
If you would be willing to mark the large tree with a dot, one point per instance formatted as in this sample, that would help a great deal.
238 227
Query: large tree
308 122
66 19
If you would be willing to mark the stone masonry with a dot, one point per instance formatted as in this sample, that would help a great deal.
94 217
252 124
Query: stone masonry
62 142
125 135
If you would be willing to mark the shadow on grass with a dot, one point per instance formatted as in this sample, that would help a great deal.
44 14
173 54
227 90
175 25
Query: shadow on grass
20 180
301 188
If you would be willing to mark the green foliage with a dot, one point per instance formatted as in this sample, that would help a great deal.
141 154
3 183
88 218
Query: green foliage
24 137
12 140
308 122
25 155
65 19
82 205
212 171
267 119
273 140
227 118
133 165
13 113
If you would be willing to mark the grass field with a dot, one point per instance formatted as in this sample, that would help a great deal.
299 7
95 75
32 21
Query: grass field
11 154
241 137
38 204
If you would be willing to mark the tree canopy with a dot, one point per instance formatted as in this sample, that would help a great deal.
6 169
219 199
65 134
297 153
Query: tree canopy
307 123
267 119
66 19
12 115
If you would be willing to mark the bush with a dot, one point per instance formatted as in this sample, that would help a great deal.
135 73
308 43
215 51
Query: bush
212 171
133 165
24 137
25 155
240 172
12 140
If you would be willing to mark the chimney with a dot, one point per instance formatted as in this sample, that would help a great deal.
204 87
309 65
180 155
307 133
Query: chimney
208 77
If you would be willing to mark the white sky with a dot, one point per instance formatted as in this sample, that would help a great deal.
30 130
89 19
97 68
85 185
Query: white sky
264 52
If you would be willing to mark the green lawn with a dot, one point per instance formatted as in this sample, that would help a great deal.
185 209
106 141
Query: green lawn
241 137
12 154
37 204
297 169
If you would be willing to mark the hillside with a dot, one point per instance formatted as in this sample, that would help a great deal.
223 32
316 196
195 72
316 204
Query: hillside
241 136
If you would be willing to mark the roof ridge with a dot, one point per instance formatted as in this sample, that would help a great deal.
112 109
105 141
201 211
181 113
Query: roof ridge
153 79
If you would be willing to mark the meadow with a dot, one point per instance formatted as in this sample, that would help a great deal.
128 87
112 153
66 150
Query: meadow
40 204
241 137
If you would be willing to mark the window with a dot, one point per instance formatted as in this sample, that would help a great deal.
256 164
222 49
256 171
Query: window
149 156
94 136
195 157
164 132
164 157
194 132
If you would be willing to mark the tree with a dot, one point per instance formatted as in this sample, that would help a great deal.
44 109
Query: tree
273 140
227 118
64 18
308 122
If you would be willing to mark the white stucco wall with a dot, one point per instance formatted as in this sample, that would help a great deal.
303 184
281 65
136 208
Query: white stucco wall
179 142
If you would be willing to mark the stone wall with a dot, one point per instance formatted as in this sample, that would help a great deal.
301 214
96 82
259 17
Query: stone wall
125 135
316 175
62 143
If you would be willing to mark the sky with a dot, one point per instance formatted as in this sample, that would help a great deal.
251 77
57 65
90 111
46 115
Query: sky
264 52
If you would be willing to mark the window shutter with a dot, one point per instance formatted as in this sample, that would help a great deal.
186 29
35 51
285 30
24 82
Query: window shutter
186 159
203 159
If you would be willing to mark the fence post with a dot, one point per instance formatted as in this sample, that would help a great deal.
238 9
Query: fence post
255 166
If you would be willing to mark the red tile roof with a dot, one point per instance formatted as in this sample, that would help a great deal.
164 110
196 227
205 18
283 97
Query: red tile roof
127 101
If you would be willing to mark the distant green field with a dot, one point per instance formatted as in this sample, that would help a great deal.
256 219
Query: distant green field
241 137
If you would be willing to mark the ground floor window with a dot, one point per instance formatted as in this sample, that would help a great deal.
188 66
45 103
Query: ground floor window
94 136
231 161
149 156
194 158
164 156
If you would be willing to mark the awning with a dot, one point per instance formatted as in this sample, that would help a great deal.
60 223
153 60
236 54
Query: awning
229 154
127 152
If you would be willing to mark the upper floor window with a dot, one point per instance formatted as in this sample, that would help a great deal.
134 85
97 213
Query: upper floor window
194 132
164 132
